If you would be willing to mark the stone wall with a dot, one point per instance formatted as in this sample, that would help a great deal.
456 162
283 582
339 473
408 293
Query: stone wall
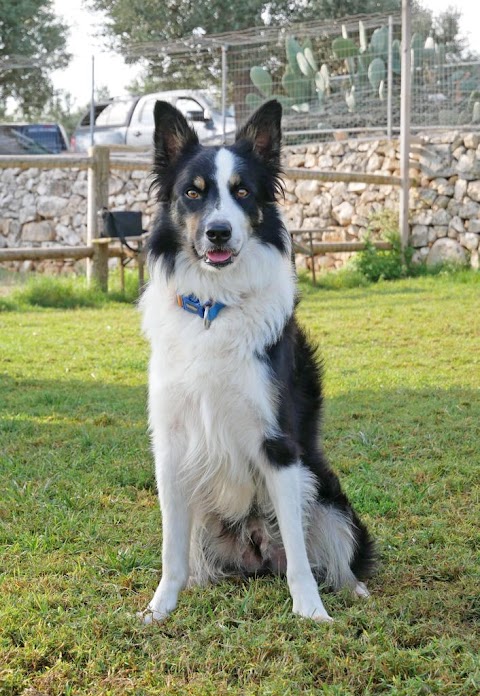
48 207
444 206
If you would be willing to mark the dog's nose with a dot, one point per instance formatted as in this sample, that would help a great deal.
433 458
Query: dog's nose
219 232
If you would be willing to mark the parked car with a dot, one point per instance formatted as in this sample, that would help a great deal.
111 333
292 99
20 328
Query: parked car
14 143
50 137
129 120
110 127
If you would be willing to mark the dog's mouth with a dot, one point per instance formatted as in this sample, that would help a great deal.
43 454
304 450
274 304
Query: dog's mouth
219 257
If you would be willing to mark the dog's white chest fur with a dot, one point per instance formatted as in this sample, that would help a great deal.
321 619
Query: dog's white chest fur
211 391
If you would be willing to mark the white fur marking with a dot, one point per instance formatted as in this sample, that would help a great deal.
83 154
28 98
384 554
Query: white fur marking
227 208
287 490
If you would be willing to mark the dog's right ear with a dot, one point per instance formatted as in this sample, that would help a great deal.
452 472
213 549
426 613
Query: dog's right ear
172 135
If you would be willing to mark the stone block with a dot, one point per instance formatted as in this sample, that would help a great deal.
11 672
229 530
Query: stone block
469 210
471 141
446 250
440 217
312 223
295 161
473 190
293 214
424 217
306 191
374 163
343 213
325 162
474 226
419 236
460 189
336 149
426 195
439 231
27 214
42 231
456 224
356 187
320 205
51 206
469 240
445 188
442 202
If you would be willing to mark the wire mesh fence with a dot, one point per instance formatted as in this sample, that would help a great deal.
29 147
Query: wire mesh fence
341 75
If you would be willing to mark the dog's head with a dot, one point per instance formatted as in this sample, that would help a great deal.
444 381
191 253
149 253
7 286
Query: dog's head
214 199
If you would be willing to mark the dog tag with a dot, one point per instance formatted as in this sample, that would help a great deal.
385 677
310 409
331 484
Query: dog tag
206 310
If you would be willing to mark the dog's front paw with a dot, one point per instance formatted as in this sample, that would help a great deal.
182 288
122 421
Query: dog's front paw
159 608
311 608
149 616
316 613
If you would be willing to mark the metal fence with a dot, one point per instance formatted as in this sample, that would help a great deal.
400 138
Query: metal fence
341 75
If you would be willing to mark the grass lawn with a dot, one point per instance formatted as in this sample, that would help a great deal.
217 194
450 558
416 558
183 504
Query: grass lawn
80 525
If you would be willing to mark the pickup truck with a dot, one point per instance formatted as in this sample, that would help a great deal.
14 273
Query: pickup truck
129 120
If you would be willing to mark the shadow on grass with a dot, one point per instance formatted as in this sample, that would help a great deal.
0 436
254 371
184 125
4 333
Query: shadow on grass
379 441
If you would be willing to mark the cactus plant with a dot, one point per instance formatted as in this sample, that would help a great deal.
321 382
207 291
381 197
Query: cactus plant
376 73
379 41
292 48
344 48
262 80
362 36
476 112
350 99
396 57
303 86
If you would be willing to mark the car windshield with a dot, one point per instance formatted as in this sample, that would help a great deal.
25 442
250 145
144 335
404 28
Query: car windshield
215 104
115 114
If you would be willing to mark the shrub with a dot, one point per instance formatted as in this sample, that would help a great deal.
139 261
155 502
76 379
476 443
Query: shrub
379 264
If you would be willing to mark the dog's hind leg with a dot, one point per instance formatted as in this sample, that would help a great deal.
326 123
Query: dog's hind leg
285 486
176 527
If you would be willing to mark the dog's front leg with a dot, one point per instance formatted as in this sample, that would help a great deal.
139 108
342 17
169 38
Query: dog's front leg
176 527
285 490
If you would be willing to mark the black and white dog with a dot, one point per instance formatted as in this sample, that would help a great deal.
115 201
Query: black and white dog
234 385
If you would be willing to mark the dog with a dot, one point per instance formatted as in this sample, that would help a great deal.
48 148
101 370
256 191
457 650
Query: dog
234 383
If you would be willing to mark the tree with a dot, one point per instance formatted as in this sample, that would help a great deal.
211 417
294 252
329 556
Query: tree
32 44
444 28
133 21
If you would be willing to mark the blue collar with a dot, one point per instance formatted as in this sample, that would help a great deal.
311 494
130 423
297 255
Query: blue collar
208 311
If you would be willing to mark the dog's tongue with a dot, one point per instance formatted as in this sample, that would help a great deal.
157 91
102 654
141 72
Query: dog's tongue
219 256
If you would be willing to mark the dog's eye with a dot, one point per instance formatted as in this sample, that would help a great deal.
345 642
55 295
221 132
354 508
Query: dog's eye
192 193
242 192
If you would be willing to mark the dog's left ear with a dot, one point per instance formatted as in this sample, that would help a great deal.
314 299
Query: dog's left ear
172 135
264 131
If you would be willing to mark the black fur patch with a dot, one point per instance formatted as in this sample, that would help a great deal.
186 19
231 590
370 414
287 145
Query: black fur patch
281 451
298 374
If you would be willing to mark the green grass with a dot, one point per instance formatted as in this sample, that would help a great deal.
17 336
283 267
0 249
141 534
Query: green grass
80 525
68 292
